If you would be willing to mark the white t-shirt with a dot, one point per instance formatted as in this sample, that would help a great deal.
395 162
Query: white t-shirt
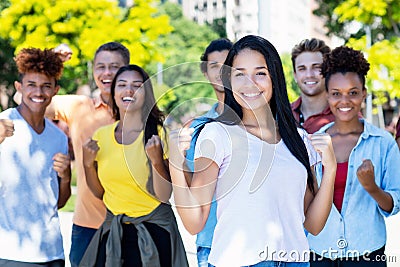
260 195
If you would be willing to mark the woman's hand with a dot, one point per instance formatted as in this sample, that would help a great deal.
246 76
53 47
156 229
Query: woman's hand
366 176
322 143
89 150
154 149
179 142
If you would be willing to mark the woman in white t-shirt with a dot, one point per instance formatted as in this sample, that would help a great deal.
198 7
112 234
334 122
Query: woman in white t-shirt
258 164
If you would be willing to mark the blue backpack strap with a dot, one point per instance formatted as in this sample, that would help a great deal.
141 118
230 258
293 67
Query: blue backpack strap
198 125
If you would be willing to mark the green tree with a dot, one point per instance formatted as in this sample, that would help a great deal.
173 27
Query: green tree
373 27
84 25
219 26
292 88
342 18
182 49
7 67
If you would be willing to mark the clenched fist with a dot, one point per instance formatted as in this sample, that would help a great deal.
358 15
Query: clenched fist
6 129
90 149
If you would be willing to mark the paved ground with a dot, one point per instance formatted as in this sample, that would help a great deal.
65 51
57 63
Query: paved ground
392 248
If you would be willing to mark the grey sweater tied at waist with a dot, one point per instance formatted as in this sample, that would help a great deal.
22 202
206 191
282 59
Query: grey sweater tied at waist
163 216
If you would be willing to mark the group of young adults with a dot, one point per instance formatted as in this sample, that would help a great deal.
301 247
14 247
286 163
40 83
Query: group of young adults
261 181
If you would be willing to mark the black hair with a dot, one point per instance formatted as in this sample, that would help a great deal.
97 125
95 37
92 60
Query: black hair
152 116
115 47
219 45
279 103
344 59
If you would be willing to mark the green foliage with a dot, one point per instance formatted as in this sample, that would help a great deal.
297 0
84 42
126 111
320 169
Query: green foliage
219 26
8 69
182 49
292 88
84 25
384 73
382 17
70 205
4 4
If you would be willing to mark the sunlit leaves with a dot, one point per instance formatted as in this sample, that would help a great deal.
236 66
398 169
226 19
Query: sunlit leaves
84 25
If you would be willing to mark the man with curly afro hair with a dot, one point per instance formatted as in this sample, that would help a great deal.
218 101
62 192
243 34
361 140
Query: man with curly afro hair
367 188
83 115
35 167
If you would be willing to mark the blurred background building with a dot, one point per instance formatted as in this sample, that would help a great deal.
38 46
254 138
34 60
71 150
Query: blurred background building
283 22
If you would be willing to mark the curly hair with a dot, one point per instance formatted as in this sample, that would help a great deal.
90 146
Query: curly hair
344 59
41 61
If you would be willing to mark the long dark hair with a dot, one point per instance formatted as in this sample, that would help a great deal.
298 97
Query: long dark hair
152 116
279 103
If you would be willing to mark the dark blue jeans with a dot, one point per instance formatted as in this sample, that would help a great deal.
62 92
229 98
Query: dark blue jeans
277 264
376 258
80 239
9 263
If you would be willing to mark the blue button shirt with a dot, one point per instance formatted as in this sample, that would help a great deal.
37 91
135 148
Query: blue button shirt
204 238
360 227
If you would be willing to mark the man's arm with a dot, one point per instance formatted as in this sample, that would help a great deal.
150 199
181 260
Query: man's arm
62 165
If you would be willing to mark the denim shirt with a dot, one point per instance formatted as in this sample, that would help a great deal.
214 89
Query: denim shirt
360 227
204 238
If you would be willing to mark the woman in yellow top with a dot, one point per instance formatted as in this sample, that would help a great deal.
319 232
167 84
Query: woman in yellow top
126 167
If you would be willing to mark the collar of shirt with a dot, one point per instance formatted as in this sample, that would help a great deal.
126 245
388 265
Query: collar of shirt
98 101
297 104
369 129
360 225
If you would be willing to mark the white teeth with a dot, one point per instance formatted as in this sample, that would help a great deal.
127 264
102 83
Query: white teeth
308 83
37 100
107 81
344 109
251 94
127 98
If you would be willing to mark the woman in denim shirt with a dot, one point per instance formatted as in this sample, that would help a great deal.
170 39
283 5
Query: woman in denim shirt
367 185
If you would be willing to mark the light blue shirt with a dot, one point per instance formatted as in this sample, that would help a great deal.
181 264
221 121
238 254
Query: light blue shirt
204 238
29 190
360 227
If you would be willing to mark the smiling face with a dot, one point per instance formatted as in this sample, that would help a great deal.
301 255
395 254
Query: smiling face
105 66
36 90
345 96
129 92
214 64
308 73
250 80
